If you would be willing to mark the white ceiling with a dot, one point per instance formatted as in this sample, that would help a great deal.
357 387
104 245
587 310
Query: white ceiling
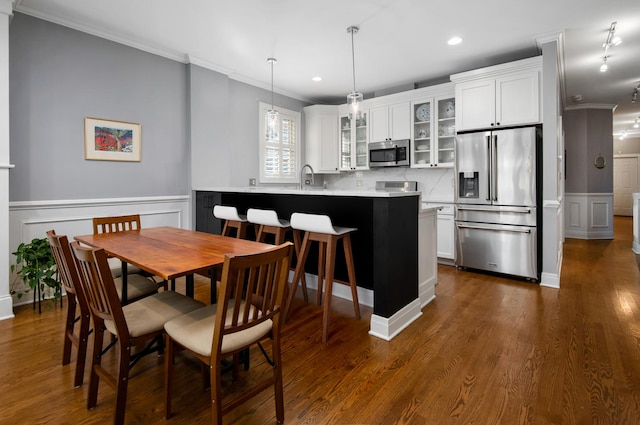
400 42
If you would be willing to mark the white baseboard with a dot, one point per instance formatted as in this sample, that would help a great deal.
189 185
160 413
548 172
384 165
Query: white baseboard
6 307
388 328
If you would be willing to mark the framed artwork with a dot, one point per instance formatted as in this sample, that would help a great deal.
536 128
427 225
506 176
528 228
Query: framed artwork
107 140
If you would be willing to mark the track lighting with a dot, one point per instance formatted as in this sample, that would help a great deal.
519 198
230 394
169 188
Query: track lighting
612 40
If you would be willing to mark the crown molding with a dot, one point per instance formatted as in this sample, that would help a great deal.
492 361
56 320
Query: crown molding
6 7
591 106
169 54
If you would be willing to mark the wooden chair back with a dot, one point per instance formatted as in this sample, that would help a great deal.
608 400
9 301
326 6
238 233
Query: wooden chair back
75 297
97 283
251 291
116 224
66 266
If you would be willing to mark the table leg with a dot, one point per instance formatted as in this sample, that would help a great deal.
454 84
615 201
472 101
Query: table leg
214 283
124 283
189 279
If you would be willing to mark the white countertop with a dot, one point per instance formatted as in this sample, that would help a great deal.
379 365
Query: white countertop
315 191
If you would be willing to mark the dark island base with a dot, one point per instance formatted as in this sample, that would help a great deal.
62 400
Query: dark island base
385 247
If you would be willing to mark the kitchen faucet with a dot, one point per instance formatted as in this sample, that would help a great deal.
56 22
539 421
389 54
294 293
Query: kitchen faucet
312 175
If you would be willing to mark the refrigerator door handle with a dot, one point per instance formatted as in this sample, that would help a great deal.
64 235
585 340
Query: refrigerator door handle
489 180
494 229
523 210
495 168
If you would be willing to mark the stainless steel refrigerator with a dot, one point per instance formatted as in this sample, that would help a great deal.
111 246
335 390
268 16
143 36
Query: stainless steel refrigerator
498 225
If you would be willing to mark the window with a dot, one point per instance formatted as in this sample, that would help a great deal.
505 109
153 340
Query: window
280 150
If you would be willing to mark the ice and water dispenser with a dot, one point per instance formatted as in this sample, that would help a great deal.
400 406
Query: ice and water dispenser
468 184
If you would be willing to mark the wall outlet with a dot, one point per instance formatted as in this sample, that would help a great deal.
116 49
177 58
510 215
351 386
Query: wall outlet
358 173
252 182
358 182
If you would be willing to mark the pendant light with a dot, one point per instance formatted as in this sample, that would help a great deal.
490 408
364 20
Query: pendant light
354 98
272 114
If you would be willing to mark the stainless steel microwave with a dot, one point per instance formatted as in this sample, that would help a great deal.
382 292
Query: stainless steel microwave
392 153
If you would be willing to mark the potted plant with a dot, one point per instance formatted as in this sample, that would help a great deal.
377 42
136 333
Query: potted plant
35 266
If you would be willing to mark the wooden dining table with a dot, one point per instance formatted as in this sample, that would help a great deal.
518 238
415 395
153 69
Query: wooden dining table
170 252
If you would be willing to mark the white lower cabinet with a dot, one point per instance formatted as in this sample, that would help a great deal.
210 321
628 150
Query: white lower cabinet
427 260
446 232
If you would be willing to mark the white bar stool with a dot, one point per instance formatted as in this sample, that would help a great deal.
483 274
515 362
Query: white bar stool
320 229
232 220
269 224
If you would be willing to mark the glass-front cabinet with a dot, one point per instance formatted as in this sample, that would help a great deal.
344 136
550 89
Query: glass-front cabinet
421 128
446 121
433 128
353 143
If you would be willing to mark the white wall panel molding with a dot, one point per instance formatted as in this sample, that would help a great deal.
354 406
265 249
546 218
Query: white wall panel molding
28 220
589 215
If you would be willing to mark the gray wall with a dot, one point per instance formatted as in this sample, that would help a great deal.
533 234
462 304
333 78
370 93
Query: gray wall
209 127
58 76
587 134
626 146
199 128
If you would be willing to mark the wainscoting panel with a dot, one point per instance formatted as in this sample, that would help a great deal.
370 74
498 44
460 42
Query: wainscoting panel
29 220
589 215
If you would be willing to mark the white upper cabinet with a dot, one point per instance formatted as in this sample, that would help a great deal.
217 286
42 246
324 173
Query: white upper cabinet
499 96
390 122
518 99
476 104
321 138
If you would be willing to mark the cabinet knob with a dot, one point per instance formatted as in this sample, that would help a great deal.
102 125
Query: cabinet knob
497 123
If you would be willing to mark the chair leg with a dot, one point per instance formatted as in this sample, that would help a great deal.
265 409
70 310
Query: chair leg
277 377
68 331
169 364
242 231
122 383
96 360
83 341
225 228
322 247
216 392
303 279
346 243
304 252
329 270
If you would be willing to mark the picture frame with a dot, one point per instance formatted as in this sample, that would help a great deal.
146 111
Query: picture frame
109 140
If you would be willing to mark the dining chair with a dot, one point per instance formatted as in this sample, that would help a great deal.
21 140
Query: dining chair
76 300
124 223
134 324
248 311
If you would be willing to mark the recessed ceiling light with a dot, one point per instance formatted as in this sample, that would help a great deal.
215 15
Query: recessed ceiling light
454 40
317 79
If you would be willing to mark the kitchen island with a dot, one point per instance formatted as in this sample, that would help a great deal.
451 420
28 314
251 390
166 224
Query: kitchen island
385 246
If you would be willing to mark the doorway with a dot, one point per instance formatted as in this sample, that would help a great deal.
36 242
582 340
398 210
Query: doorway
625 183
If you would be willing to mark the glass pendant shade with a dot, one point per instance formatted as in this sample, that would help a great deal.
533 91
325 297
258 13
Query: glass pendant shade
353 102
272 123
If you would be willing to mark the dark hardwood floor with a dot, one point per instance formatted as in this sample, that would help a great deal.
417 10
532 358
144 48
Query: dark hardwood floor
487 350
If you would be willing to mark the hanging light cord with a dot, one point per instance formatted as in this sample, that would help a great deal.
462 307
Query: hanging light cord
353 30
271 61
